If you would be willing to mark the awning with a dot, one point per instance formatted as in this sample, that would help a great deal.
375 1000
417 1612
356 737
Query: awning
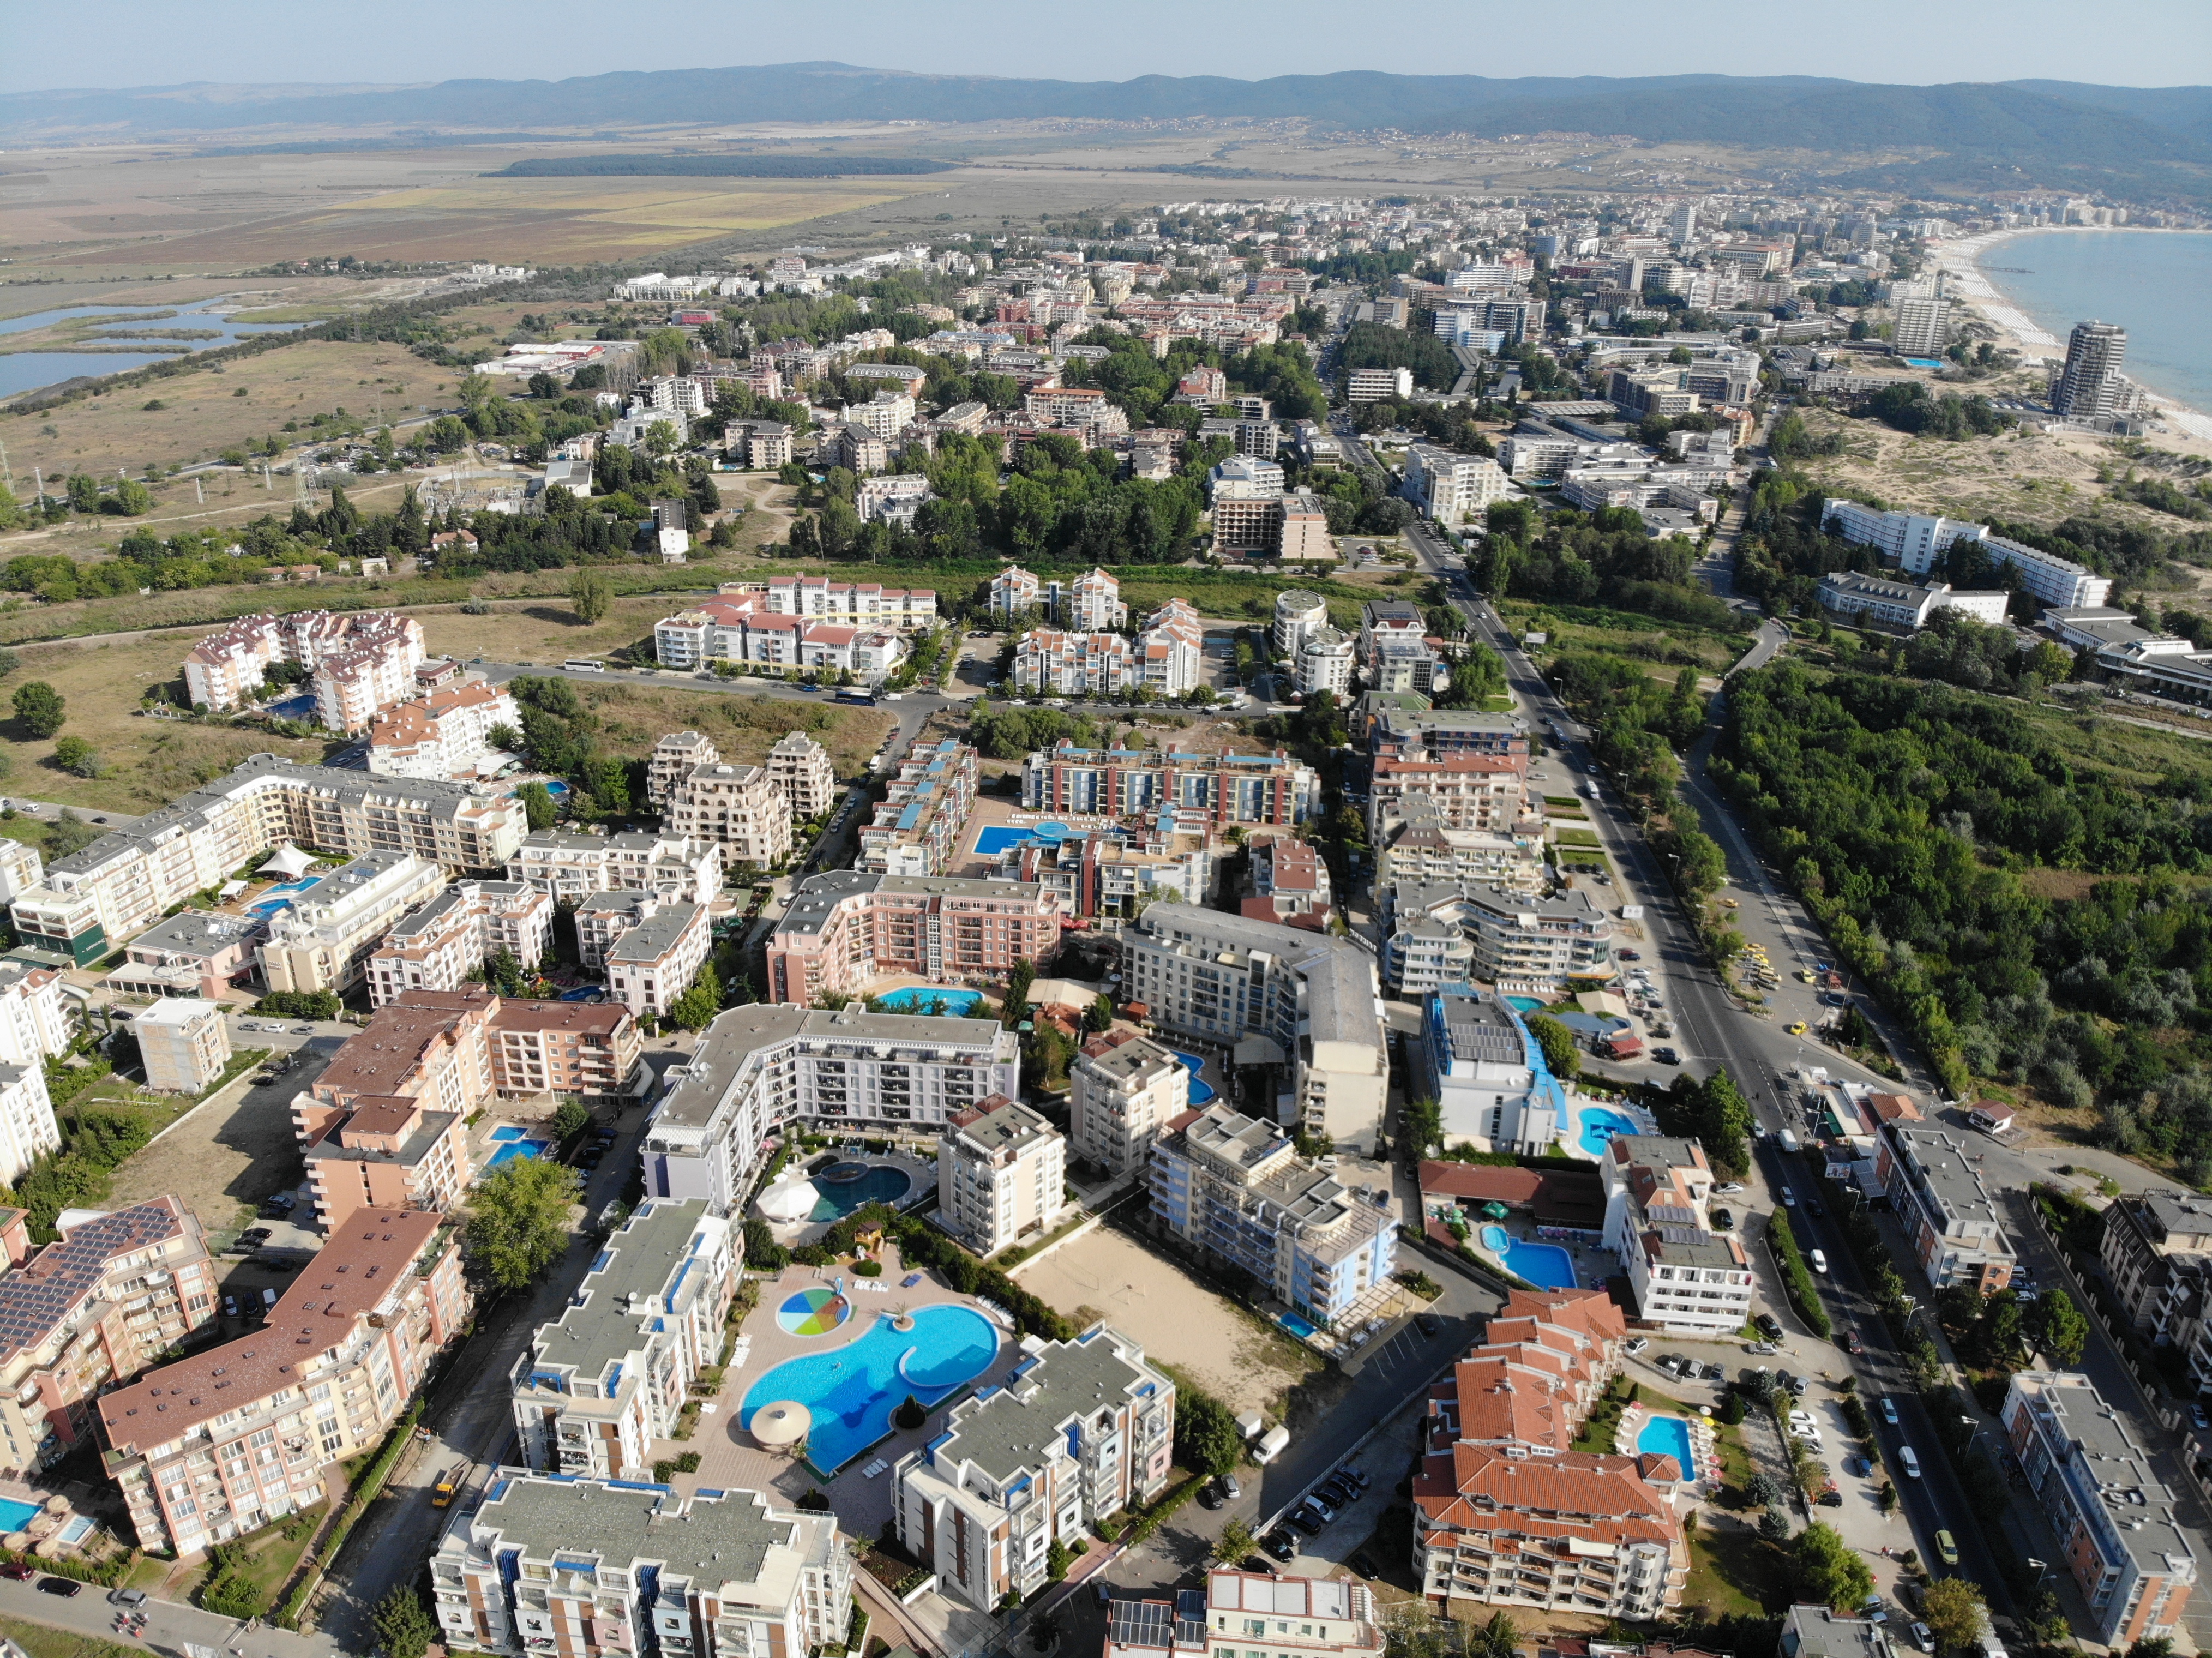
287 863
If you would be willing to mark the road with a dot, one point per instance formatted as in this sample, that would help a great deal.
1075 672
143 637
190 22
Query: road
168 1626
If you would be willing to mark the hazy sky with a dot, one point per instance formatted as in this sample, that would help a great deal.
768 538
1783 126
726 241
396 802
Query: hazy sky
121 43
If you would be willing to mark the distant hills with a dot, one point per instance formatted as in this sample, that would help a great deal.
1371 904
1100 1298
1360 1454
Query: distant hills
2132 140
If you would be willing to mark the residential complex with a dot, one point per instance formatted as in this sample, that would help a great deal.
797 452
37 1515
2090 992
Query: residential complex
1684 1276
1487 1075
1468 788
95 900
651 948
917 827
1236 1190
1451 488
1079 1431
596 1386
324 938
447 734
588 1051
1212 789
1505 1513
1051 662
359 662
2157 1252
759 1067
1308 1002
1907 605
599 1570
1946 1208
1001 1174
1443 932
1421 847
439 946
739 807
220 1443
797 622
1124 1090
89 1312
183 1043
1115 872
800 767
35 1027
568 865
1917 541
844 929
2119 1536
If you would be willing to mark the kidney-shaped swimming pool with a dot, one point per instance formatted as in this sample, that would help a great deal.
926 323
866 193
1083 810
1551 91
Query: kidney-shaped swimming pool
851 1391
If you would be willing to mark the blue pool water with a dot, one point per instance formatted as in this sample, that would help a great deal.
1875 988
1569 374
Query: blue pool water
852 1390
1924 362
296 708
1526 1004
1546 1265
1668 1436
585 993
280 896
1200 1090
917 998
555 787
1599 1125
990 842
1297 1325
508 1131
845 1187
515 1142
15 1516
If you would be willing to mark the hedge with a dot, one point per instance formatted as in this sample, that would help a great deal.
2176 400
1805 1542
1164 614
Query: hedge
365 1491
1797 1280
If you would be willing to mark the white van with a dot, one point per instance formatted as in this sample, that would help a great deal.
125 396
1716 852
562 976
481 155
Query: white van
1271 1446
1906 1454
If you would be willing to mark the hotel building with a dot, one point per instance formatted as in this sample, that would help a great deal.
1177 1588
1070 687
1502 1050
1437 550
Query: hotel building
846 929
1215 789
917 827
438 946
1947 1209
1124 1090
570 866
323 939
1001 1173
1685 1276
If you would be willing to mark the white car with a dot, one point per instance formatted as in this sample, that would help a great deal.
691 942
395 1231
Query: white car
1727 1187
1820 1259
1639 1343
1889 1412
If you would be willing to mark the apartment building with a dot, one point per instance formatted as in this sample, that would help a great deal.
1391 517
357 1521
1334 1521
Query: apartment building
377 647
1917 540
89 1311
1015 592
1296 1617
1420 847
1248 524
1908 604
1819 1631
2157 1251
1451 488
94 900
1236 1190
1921 326
674 758
1051 661
886 413
893 498
569 866
1298 616
220 1443
373 669
759 1067
196 952
20 870
1124 1091
445 734
2119 1535
1094 603
384 1123
1325 660
741 631
1289 880
651 948
1686 1276
852 604
1946 1208
844 928
1217 790
1541 943
1308 1002
1169 658
570 1050
1079 1431
596 1386
1109 874
439 945
801 768
758 445
604 1570
738 807
1378 386
917 826
1469 790
183 1043
1492 1089
2087 386
324 940
1002 1176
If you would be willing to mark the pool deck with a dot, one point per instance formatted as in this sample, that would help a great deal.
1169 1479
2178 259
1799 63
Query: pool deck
1593 1264
728 1458
1704 1446
791 1233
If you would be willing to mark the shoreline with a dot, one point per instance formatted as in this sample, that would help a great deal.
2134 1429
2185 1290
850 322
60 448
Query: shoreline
1967 278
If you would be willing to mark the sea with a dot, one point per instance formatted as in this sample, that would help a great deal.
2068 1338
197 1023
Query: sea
2152 282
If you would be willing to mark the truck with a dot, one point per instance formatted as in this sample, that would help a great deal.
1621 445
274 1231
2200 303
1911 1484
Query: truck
1985 1641
1787 1139
449 1485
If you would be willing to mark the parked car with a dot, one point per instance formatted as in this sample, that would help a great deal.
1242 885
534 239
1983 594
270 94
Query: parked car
1768 1326
2197 1416
1309 1520
1724 1220
64 1586
1760 1347
1280 1544
1728 1187
1666 1056
1230 1488
1209 1497
17 1570
1872 1611
1830 1498
1715 1373
230 1306
1637 1345
1923 1636
1427 1323
127 1597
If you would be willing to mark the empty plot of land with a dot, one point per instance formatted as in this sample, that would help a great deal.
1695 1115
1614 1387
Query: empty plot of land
1173 1316
231 1153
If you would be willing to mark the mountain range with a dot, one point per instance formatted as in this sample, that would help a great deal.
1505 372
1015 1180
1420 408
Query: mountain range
2131 140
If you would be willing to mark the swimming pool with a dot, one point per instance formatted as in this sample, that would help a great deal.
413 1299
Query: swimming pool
851 1391
931 999
990 842
1598 1127
1546 1265
1200 1090
79 1527
15 1516
514 1141
845 1187
1668 1436
281 895
1526 1004
1297 1326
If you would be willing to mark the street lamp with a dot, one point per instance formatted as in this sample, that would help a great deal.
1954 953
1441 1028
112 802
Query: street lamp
2041 1571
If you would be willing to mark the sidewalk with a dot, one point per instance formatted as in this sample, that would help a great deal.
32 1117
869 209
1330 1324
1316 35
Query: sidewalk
168 1627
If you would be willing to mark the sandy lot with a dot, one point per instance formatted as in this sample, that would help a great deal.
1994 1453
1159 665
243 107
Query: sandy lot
224 1159
1173 1316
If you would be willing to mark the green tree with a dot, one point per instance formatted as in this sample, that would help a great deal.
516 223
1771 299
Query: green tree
1498 1638
1100 1014
695 1009
131 497
1564 1059
74 754
1421 1126
1057 1560
1019 978
1205 1434
589 596
2058 1327
403 1624
505 973
537 804
572 1119
518 1218
1952 1609
504 736
1827 1572
1234 1543
1774 1526
40 708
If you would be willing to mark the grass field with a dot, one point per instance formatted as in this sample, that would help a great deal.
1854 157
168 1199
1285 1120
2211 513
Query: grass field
41 1640
635 716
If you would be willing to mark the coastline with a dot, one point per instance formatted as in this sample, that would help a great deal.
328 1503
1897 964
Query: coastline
1965 276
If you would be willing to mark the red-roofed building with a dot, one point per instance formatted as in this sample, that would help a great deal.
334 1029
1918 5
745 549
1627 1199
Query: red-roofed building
1570 1197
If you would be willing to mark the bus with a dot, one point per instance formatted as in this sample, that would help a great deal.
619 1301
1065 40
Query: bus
583 665
859 699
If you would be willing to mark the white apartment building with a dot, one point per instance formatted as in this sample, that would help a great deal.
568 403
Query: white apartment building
1081 1431
737 807
20 870
373 669
650 947
1094 603
1541 943
1124 1090
1015 593
438 946
1921 326
596 1386
94 900
674 758
1905 603
890 497
1298 1618
1685 1276
887 414
443 735
1917 540
572 865
34 1026
1325 660
1282 995
1419 846
1298 616
324 939
1002 1176
801 768
1050 662
184 1043
1492 1089
603 1571
1378 385
762 1066
225 668
1451 488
